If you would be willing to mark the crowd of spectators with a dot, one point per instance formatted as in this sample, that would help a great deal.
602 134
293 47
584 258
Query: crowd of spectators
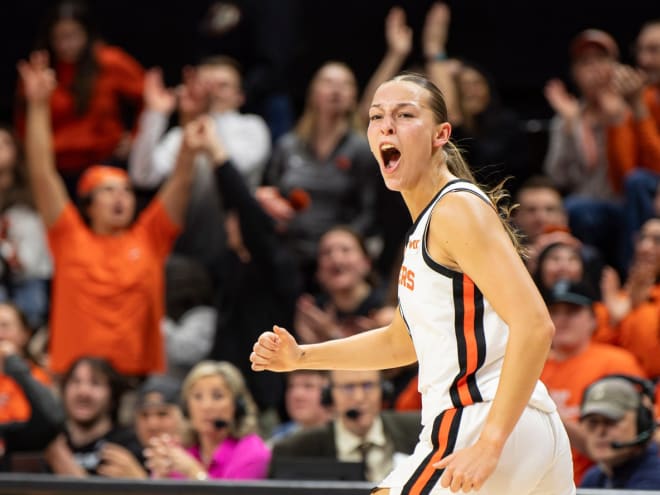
149 234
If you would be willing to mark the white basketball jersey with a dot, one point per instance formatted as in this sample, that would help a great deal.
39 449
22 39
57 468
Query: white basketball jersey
459 338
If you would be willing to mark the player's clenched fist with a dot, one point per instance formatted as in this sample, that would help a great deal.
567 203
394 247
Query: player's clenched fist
276 351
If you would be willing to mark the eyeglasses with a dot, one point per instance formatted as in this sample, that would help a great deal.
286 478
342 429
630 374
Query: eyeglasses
351 388
591 423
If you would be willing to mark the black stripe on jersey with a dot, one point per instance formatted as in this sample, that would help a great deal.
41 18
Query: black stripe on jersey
451 444
430 262
422 465
480 337
435 441
431 203
461 346
403 316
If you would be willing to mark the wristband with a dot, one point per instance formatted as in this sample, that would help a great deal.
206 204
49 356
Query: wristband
439 57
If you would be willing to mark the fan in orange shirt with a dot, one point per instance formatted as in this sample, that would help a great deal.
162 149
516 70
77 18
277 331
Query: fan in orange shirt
98 94
108 283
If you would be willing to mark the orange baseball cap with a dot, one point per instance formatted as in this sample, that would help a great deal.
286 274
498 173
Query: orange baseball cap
96 175
594 38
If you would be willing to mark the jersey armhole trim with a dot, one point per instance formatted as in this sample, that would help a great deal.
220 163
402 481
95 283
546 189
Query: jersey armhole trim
430 262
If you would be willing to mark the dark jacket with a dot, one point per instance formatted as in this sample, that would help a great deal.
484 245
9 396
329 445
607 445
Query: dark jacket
254 295
639 473
46 419
401 428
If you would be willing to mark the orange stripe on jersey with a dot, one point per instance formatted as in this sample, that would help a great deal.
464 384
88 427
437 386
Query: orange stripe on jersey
445 430
470 340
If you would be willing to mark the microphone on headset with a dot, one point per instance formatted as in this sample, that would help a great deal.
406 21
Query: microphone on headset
353 413
643 437
220 423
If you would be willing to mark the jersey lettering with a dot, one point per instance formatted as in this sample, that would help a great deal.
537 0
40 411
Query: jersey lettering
413 244
407 278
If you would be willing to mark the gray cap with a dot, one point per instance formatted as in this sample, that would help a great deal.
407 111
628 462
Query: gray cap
610 397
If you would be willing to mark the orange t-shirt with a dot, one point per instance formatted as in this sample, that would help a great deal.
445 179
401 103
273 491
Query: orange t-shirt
639 332
604 332
14 406
567 380
93 136
635 143
108 291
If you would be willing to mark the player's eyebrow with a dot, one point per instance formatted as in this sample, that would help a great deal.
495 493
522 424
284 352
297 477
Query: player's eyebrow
398 105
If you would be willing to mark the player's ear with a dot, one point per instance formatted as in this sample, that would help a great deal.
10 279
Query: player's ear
441 134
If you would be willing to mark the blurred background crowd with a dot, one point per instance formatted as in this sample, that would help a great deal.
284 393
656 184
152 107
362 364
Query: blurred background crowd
176 179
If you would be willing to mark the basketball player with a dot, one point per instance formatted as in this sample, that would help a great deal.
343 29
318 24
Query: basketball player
468 312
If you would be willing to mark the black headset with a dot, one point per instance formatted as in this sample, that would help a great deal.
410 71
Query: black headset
646 423
240 409
386 387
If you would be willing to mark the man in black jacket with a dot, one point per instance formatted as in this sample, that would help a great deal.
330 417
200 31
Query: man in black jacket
361 430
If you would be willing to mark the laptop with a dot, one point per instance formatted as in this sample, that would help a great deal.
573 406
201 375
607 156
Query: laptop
316 468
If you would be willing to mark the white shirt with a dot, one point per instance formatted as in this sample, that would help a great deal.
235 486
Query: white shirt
246 138
380 453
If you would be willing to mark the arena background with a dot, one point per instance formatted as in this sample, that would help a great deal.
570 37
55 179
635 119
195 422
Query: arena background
522 43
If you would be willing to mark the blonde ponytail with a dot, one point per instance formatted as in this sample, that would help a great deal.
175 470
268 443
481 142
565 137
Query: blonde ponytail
457 165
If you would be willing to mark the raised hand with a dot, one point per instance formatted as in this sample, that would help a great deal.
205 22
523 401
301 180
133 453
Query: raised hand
37 77
200 135
616 300
314 324
561 101
629 83
192 97
436 30
156 96
275 351
398 34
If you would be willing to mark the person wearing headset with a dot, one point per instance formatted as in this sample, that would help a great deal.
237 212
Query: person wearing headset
223 442
361 431
617 416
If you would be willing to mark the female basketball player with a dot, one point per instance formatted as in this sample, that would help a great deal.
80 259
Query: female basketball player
468 312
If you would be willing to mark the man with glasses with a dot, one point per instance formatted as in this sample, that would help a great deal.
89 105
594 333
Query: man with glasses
361 431
618 421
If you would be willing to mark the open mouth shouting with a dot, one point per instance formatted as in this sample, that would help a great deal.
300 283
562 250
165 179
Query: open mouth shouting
390 155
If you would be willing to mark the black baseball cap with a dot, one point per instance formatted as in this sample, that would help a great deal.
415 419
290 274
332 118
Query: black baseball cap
566 291
158 390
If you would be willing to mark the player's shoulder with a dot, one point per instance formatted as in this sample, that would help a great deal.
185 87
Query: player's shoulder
463 206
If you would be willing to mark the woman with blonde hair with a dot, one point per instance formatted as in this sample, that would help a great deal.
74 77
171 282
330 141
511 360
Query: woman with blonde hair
223 424
325 160
468 313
